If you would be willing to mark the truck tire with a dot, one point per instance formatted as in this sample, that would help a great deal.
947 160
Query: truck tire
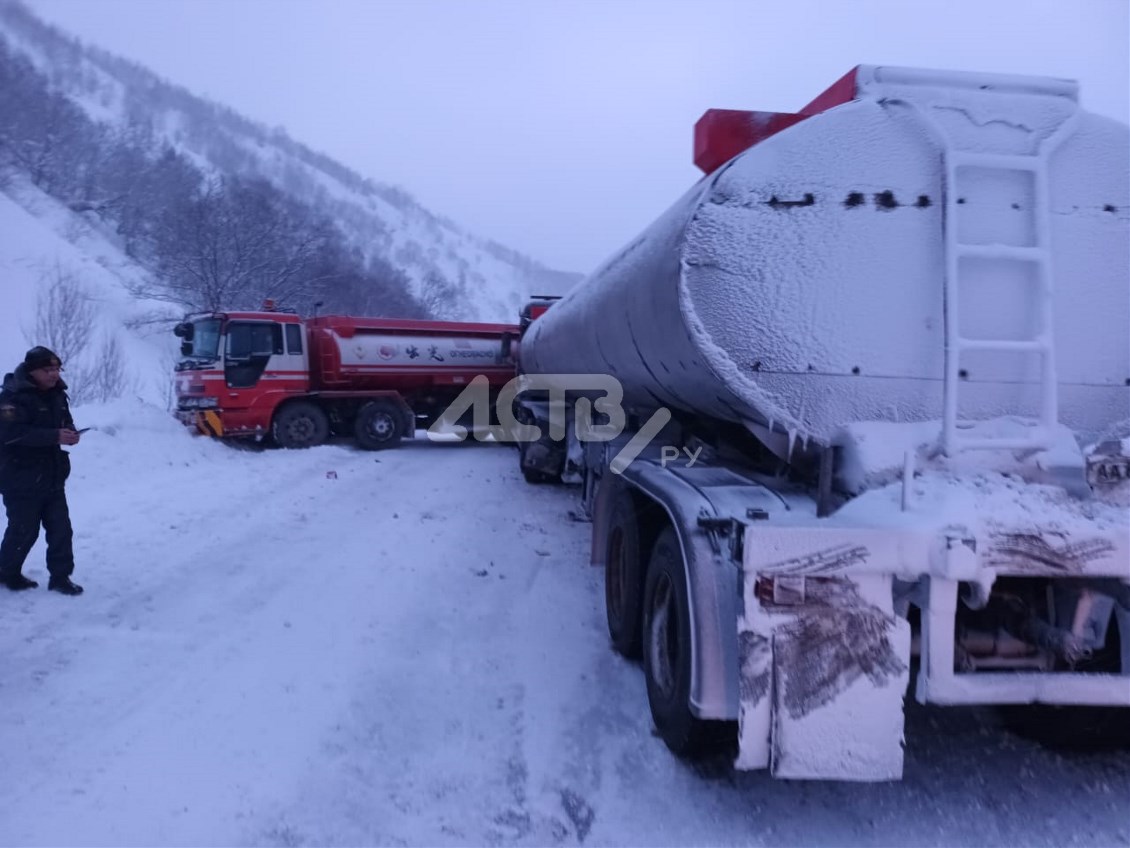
300 425
537 478
623 576
667 658
532 475
379 424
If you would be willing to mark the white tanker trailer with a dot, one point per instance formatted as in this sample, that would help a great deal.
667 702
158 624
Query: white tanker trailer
875 376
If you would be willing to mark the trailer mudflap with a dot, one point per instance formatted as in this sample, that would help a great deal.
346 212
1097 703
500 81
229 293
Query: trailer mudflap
851 733
824 667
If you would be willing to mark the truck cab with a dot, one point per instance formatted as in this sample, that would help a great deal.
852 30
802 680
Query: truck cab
236 367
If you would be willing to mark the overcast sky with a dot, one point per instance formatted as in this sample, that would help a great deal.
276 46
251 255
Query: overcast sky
562 129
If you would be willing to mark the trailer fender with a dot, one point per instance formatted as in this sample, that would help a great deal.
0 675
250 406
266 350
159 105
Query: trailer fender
712 583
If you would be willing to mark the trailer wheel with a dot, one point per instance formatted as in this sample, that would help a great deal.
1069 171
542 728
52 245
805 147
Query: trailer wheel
623 576
667 658
379 425
300 425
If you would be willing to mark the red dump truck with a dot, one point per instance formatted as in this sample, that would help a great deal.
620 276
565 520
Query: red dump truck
297 381
866 407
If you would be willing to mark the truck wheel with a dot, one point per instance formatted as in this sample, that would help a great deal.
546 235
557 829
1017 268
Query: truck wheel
535 478
379 425
667 658
532 475
300 425
623 576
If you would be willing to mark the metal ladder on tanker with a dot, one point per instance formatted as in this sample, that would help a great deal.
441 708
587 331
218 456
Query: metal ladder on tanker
1037 255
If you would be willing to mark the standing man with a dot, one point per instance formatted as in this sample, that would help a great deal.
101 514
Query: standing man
35 422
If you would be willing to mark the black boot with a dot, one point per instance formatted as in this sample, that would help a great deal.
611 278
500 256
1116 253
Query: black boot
19 583
64 586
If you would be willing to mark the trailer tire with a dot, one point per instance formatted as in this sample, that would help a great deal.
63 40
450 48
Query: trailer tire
378 425
667 658
300 425
623 576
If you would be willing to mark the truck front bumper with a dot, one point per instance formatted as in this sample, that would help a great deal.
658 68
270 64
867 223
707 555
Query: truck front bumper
205 421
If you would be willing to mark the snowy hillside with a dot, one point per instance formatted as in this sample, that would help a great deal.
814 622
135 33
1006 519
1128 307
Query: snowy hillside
455 274
43 242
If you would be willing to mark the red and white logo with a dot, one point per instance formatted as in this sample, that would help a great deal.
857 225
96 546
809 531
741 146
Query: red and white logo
386 351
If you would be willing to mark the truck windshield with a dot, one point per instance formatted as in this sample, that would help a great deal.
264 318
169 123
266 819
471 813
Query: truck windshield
205 340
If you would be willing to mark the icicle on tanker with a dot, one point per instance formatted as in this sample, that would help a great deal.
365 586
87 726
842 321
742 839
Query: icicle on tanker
921 275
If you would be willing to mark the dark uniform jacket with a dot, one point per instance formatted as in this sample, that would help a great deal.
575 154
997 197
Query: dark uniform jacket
31 459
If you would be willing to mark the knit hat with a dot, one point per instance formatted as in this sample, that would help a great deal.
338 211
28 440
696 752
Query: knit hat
41 357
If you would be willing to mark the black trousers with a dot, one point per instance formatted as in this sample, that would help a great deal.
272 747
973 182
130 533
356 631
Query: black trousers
26 511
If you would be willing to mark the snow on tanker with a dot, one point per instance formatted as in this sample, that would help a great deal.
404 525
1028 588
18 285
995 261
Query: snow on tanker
875 376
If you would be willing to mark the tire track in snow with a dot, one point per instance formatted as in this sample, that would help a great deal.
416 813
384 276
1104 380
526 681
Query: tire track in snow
444 739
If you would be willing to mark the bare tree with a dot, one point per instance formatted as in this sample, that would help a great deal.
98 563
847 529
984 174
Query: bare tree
438 296
169 358
235 243
64 314
150 321
42 132
64 322
103 380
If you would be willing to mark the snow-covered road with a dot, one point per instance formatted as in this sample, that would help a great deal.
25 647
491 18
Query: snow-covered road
334 647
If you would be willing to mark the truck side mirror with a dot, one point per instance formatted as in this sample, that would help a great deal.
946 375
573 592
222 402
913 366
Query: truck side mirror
186 348
184 330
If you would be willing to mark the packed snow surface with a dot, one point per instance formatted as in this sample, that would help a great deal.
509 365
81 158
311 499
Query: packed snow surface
334 647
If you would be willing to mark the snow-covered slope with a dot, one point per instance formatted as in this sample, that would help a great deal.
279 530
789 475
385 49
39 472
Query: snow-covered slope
473 277
40 240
